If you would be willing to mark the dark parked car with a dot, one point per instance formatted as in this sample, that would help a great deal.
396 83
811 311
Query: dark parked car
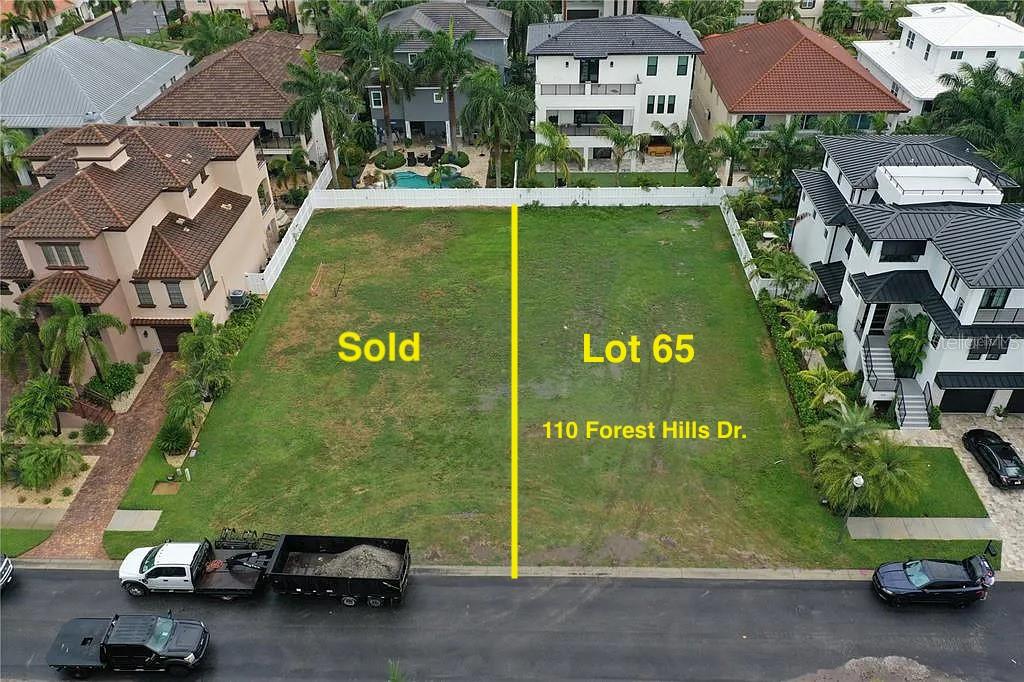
6 570
1001 463
934 581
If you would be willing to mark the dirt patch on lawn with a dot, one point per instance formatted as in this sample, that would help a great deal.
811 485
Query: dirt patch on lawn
621 549
571 555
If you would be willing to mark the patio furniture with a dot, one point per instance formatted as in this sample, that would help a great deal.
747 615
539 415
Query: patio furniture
659 150
436 153
423 157
410 158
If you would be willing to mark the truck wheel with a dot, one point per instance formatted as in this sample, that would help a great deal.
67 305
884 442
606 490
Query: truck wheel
80 674
135 589
349 601
375 602
228 597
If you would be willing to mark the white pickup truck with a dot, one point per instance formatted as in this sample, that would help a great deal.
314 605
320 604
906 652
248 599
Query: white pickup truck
195 567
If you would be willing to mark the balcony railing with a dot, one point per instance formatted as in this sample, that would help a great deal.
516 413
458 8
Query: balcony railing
588 88
999 316
278 142
563 89
613 88
588 129
962 192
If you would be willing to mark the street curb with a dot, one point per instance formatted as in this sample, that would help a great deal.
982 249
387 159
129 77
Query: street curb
625 572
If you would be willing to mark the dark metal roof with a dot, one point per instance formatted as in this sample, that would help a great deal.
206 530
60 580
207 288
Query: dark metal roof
998 380
598 38
486 23
824 194
831 276
915 286
985 244
859 155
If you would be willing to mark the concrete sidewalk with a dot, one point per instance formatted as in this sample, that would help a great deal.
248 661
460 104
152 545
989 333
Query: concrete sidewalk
921 528
36 519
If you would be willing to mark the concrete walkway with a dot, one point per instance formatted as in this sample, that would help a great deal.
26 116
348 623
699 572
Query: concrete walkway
37 519
919 528
134 519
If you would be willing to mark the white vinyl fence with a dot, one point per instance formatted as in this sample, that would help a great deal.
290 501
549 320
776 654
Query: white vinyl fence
757 283
321 198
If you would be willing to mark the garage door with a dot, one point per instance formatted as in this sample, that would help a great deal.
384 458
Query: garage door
168 337
1016 402
966 400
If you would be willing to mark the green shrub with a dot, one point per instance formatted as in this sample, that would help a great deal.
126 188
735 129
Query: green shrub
644 180
240 324
41 463
461 159
386 161
72 435
84 466
121 377
788 358
69 21
47 500
172 439
935 417
587 183
296 195
8 461
463 182
139 368
175 14
66 491
143 358
279 24
94 432
178 29
13 201
531 182
21 499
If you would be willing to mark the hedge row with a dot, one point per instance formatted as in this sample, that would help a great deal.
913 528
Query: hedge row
789 361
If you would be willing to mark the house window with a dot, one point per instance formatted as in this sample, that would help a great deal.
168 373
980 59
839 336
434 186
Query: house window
959 306
995 298
988 348
650 104
991 54
902 251
412 58
589 69
927 51
174 294
289 128
927 105
757 120
203 175
144 294
956 54
438 97
809 122
5 288
911 36
849 247
671 105
63 255
661 104
191 187
682 65
955 282
207 124
206 280
807 4
173 124
935 338
895 89
652 66
376 99
1021 55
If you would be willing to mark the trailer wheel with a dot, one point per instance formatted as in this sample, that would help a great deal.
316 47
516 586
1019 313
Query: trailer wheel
228 597
135 589
349 601
80 673
375 602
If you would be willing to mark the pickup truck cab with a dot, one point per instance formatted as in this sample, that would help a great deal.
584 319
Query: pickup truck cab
195 567
136 643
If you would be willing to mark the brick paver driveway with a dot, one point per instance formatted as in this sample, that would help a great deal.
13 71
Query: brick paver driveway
79 535
1005 507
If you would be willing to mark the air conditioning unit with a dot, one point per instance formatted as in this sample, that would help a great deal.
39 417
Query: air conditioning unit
236 298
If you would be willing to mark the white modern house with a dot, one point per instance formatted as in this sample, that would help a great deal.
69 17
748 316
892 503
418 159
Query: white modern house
636 69
938 38
908 224
592 9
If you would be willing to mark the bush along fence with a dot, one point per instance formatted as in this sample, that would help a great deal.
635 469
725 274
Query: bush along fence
788 357
757 282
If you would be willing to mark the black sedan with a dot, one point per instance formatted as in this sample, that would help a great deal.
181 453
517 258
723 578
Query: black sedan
934 581
1000 461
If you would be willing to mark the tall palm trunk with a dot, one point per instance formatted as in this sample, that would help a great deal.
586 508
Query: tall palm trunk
117 22
496 155
732 165
329 140
21 40
451 119
386 102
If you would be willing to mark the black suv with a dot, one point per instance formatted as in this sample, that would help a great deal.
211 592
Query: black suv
1000 461
934 581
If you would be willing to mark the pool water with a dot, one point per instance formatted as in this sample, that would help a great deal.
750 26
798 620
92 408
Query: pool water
412 180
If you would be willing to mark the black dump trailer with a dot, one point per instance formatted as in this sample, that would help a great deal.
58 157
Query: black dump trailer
355 570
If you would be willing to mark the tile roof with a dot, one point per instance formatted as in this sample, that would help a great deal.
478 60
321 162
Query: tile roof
487 23
241 82
12 263
74 77
786 67
824 194
598 38
859 155
985 244
83 203
180 248
94 133
83 288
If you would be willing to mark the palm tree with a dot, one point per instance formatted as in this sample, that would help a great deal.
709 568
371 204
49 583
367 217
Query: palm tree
835 124
447 59
704 17
337 23
379 8
317 90
112 6
872 14
290 167
785 150
879 122
16 23
676 138
13 141
19 340
39 10
784 268
71 336
555 149
33 411
624 143
500 112
908 343
313 12
375 46
827 384
834 472
40 463
848 427
773 10
185 402
524 13
807 331
209 33
894 474
733 144
835 17
203 358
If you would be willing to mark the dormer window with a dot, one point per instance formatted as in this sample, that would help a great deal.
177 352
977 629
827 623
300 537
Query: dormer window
63 255
911 37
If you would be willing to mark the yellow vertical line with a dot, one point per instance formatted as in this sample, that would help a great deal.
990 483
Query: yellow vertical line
514 393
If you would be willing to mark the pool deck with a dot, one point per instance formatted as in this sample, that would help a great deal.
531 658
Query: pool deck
476 169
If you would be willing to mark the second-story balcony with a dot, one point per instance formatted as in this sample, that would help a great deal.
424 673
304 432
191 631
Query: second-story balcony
999 316
588 128
905 185
271 143
584 89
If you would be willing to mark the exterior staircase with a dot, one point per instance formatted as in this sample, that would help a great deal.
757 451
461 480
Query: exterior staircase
878 368
911 405
91 412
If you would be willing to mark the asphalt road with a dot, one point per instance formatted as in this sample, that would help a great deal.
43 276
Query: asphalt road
566 628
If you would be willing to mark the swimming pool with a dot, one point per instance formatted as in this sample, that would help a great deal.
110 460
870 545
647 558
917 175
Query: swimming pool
412 180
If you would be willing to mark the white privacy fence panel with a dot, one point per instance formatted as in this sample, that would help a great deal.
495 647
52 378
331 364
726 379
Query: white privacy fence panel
757 283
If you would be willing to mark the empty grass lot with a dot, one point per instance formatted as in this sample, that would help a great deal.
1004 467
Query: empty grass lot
304 443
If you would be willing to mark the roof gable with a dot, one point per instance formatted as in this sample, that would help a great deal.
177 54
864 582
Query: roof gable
487 23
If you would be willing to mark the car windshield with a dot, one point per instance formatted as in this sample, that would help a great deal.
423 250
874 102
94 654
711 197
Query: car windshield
915 573
161 634
149 560
1012 463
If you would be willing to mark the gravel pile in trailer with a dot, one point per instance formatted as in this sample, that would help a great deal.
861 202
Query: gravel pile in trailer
362 561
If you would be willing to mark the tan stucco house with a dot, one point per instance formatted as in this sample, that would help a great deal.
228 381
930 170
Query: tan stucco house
151 224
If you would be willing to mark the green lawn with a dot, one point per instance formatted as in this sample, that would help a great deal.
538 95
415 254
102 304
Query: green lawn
628 179
303 442
948 491
15 541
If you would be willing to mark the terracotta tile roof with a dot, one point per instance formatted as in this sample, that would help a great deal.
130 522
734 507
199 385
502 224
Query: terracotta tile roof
12 263
786 67
160 322
85 289
241 82
84 203
94 133
181 248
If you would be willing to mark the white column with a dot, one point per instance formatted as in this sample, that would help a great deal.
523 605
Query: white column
408 129
448 132
586 158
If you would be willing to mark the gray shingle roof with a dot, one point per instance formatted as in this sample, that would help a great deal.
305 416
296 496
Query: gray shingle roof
487 23
1003 380
831 276
827 198
859 155
985 244
598 38
74 76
